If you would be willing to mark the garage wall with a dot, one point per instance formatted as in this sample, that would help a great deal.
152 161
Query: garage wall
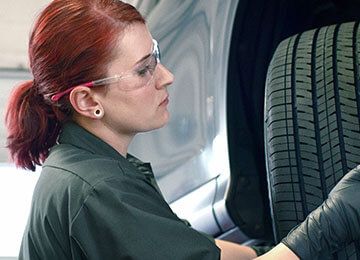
16 19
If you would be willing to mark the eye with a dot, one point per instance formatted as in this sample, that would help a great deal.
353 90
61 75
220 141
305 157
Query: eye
144 70
148 67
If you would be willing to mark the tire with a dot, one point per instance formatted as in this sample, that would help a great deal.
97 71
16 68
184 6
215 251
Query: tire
312 127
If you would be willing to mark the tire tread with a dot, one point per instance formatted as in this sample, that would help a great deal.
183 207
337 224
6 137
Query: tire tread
312 122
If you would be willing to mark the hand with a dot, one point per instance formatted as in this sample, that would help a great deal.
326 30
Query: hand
332 225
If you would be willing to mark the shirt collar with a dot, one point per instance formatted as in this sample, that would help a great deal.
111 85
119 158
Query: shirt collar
77 136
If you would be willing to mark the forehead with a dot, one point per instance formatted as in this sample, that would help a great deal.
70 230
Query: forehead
135 43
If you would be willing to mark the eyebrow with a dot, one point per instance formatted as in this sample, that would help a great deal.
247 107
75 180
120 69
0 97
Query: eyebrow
145 57
142 59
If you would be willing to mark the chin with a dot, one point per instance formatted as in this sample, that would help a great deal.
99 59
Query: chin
166 119
155 124
161 122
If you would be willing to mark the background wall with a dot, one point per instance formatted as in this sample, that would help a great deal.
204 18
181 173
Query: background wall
16 20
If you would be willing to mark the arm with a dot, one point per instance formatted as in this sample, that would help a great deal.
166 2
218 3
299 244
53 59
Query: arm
328 228
126 218
231 250
279 252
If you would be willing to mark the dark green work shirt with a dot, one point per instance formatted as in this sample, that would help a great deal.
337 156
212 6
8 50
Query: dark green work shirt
92 203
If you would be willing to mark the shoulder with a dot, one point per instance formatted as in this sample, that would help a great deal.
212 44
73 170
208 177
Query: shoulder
70 175
80 165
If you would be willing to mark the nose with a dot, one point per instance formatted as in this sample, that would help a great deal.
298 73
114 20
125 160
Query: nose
164 76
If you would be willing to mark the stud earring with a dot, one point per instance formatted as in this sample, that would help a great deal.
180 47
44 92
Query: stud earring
98 113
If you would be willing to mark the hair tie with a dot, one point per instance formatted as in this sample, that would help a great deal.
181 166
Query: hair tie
33 91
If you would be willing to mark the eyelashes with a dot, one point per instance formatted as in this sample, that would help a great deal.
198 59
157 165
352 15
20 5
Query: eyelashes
143 71
147 68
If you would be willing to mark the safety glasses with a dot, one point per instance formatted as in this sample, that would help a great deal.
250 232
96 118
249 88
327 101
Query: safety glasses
143 71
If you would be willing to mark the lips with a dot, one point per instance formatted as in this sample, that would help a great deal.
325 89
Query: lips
165 101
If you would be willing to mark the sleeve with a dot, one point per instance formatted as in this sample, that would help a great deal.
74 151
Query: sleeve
129 219
210 237
27 249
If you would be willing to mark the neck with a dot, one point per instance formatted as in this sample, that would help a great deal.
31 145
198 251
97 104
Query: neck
119 142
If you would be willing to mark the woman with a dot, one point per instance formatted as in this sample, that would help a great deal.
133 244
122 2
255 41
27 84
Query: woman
98 81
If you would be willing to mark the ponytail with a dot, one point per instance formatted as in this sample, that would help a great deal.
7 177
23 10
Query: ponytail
32 126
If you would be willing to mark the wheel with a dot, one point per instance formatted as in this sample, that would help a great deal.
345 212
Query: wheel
312 127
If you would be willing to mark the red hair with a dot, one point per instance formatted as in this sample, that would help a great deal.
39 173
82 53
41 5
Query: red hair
72 42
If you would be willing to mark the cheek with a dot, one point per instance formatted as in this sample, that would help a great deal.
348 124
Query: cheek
134 109
140 106
144 100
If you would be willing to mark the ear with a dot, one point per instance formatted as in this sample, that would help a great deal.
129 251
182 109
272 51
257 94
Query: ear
85 102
